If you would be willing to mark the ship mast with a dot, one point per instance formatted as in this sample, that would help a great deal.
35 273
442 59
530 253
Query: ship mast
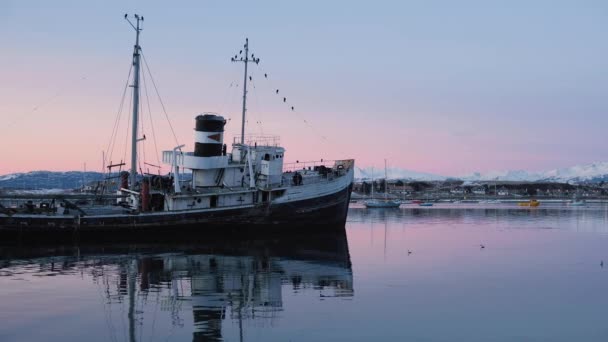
385 182
245 60
135 86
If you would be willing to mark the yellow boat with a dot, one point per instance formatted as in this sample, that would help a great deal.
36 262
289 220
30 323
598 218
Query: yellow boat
530 203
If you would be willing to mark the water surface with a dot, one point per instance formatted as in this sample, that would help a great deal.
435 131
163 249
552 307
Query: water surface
416 274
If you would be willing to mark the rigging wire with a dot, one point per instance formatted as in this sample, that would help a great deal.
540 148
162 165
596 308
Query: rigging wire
112 141
128 126
227 94
259 113
143 141
160 99
230 92
299 114
151 120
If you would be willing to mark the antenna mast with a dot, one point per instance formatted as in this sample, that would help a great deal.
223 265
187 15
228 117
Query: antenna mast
135 86
245 60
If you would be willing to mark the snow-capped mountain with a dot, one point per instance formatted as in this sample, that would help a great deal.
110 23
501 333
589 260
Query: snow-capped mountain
395 173
594 172
52 179
48 179
510 175
9 176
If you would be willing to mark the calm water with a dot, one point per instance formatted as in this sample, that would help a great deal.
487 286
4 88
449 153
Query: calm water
537 279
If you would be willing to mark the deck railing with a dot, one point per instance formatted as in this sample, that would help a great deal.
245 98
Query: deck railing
307 165
259 140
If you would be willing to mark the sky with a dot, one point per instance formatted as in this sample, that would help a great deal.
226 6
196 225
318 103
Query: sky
445 87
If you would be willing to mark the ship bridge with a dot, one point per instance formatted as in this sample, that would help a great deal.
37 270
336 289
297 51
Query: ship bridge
257 162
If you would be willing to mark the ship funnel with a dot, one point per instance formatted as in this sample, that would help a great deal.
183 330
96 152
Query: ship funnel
209 135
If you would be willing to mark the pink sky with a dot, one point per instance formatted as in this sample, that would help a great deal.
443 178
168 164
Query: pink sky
449 98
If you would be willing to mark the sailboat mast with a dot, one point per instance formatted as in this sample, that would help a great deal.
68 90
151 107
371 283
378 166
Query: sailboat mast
135 86
385 182
372 182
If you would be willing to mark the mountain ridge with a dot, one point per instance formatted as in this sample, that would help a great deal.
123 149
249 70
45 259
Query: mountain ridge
592 172
585 173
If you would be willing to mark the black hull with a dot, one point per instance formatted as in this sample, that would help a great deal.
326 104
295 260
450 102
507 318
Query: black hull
317 214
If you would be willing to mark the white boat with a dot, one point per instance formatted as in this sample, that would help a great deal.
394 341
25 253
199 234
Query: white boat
385 202
381 203
577 203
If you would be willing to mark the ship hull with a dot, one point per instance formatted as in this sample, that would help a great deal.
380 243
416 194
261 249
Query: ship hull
320 213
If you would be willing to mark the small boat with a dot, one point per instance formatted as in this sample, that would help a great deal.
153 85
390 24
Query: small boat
530 203
425 204
578 203
385 202
381 203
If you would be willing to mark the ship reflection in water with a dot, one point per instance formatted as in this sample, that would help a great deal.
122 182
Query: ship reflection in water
207 292
450 272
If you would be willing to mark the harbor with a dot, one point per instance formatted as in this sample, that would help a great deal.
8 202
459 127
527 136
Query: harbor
303 171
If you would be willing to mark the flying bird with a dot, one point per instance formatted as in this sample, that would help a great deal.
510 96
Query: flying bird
409 252
125 15
284 99
482 246
291 107
250 78
240 52
266 75
277 91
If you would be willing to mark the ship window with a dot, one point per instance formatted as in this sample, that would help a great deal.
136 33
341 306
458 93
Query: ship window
198 200
277 193
213 201
267 156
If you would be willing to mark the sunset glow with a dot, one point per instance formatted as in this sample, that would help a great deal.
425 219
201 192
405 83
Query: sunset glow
493 87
